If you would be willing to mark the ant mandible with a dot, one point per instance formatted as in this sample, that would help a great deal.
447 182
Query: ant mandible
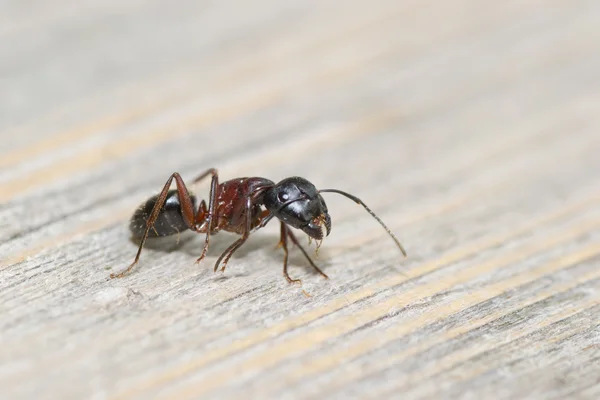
237 206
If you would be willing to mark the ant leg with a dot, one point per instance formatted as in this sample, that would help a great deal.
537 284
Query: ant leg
293 237
210 171
263 219
187 213
260 221
209 217
238 243
283 244
230 250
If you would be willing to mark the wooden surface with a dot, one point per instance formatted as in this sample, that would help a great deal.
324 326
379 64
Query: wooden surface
472 128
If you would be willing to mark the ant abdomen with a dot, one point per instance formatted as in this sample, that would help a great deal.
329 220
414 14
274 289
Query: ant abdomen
170 219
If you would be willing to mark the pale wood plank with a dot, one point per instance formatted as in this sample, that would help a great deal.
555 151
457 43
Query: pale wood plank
471 127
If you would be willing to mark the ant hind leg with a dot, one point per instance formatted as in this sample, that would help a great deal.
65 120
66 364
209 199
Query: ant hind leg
187 210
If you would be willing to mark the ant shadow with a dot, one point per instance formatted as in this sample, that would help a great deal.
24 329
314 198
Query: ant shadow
192 244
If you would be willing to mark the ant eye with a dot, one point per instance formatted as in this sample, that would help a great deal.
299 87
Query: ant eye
282 196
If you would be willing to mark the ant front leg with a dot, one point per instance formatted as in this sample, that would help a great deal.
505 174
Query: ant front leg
283 243
187 210
310 261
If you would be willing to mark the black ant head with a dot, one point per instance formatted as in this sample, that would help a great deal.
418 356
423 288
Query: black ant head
297 202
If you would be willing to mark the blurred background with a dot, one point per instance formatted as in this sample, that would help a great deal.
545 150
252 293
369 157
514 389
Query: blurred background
453 120
86 84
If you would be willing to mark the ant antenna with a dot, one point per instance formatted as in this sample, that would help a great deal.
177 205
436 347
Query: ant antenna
359 201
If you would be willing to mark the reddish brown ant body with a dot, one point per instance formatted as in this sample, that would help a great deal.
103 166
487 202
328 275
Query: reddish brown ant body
237 206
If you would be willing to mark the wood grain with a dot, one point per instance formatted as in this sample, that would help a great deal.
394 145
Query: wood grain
471 128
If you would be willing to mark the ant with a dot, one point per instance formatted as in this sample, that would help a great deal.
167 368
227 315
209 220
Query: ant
237 206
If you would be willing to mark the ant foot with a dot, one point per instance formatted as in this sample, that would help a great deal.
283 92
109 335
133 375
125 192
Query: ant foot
290 280
222 268
122 273
199 259
119 275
